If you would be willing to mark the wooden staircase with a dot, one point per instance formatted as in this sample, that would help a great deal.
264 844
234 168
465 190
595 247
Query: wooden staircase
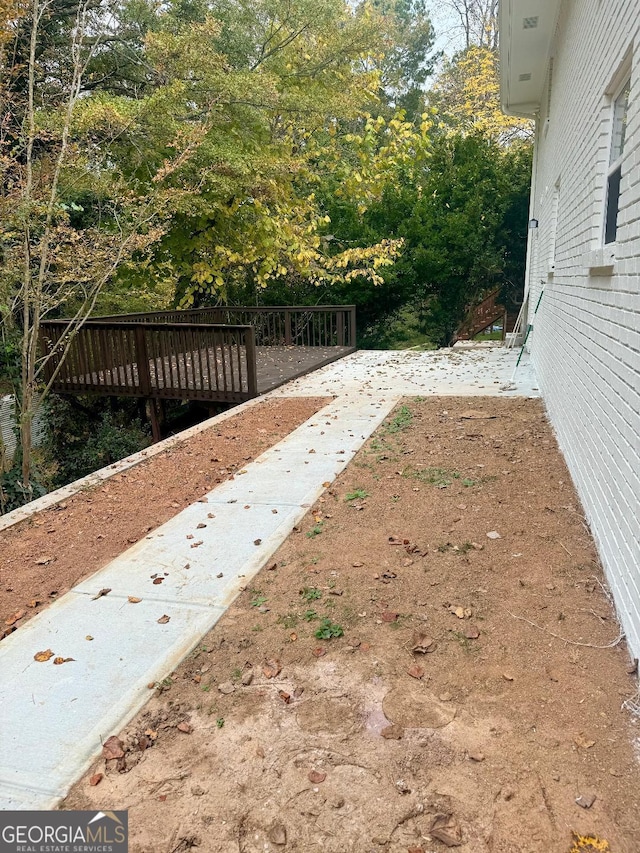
483 315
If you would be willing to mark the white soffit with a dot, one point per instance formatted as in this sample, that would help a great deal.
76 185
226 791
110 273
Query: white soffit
527 28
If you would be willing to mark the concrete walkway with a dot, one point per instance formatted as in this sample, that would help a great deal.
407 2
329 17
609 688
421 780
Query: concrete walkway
55 717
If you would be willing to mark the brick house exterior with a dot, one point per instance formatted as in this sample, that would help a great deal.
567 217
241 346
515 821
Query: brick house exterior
575 68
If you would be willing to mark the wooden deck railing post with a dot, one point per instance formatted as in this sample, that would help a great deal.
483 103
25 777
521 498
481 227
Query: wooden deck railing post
142 360
352 325
287 328
252 372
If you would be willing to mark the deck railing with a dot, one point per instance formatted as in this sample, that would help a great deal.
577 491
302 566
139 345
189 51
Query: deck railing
165 360
312 326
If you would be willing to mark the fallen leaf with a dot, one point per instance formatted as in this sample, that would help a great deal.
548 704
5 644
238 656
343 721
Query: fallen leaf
392 732
96 779
133 600
388 616
150 733
164 619
444 828
583 743
17 615
326 484
35 602
185 727
286 697
41 657
257 541
271 668
102 592
317 776
88 637
272 567
319 652
416 671
200 526
293 636
112 748
278 835
422 643
196 544
585 801
157 580
59 661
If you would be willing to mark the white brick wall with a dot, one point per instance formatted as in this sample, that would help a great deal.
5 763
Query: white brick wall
586 338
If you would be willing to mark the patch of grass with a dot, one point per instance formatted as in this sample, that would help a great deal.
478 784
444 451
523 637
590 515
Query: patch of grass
327 630
400 422
220 722
257 628
258 598
310 615
316 530
356 495
310 593
290 620
236 675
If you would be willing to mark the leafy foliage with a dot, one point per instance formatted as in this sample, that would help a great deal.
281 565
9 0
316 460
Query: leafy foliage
89 434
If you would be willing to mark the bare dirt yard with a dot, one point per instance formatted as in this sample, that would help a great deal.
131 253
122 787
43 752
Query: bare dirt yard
430 662
42 558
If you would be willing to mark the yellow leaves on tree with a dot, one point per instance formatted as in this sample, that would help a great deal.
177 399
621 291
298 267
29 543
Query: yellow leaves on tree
467 97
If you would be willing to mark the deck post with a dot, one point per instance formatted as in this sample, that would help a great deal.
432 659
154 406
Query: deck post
352 325
287 328
340 327
142 360
250 349
156 417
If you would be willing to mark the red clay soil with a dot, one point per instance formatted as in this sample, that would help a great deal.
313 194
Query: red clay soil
430 662
43 557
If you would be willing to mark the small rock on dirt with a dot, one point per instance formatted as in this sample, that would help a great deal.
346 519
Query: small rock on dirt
472 632
585 801
184 727
112 748
317 776
493 534
226 687
247 678
96 779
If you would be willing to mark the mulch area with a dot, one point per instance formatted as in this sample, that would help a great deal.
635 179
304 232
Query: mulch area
45 556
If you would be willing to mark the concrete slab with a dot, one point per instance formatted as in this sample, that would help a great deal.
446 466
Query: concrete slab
56 717
465 371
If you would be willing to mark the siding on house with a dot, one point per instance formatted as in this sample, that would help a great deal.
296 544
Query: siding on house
586 338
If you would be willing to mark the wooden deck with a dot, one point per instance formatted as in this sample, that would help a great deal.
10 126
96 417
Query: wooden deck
189 356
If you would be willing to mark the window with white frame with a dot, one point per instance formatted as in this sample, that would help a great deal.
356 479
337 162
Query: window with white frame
614 173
